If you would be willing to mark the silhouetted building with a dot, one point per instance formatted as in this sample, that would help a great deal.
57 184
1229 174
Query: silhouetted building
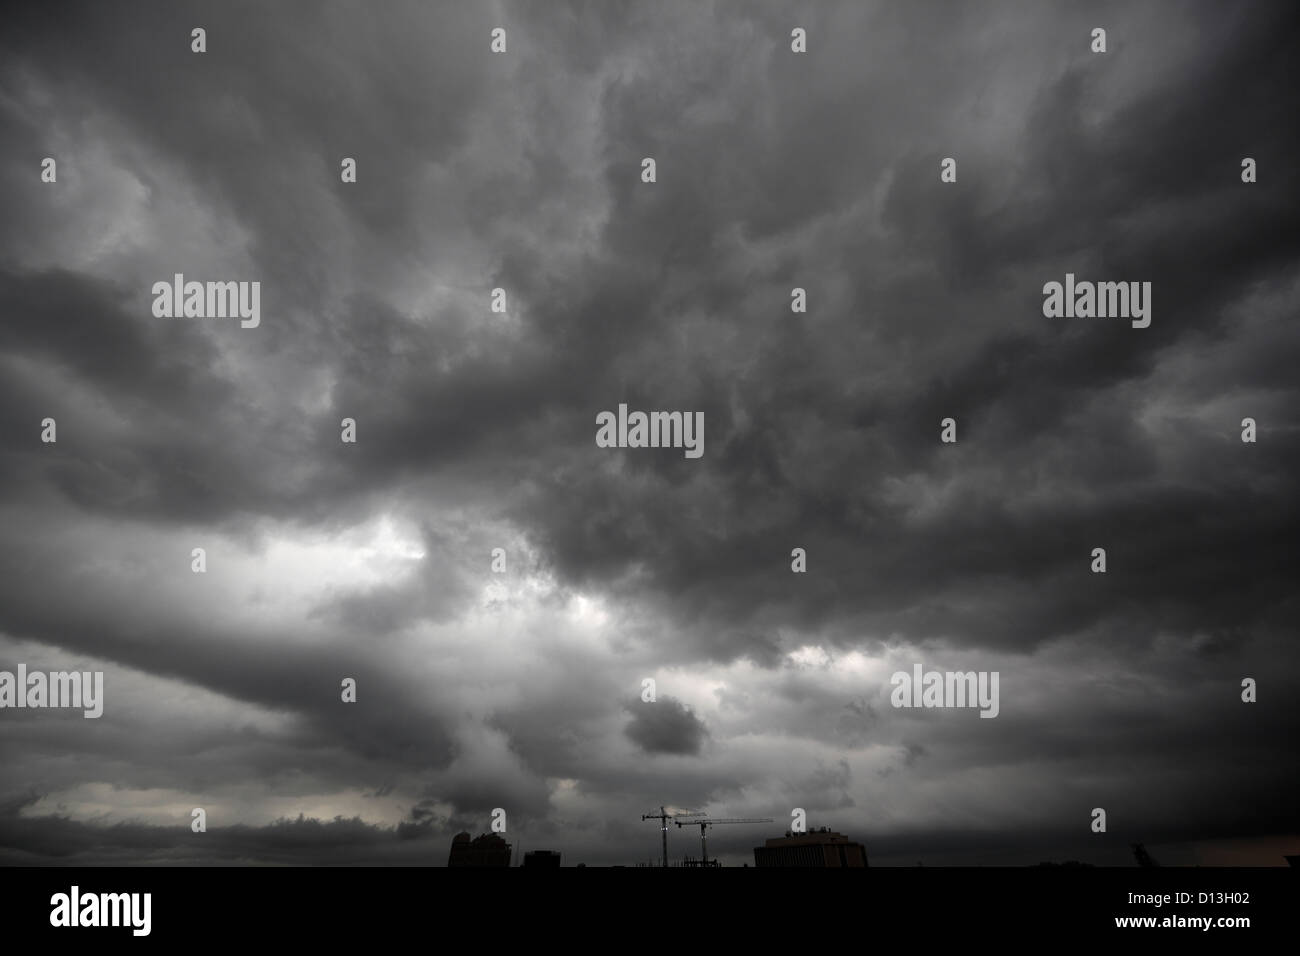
1142 856
543 859
1071 863
486 850
822 847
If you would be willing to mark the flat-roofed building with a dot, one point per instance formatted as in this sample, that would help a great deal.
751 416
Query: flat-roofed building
822 847
486 850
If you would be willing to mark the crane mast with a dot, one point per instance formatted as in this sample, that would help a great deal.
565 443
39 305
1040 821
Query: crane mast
663 816
704 824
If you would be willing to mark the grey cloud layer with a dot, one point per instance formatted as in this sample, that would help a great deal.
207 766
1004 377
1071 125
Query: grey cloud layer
476 430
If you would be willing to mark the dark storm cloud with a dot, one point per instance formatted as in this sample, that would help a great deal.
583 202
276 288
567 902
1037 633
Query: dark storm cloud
476 429
668 727
1014 391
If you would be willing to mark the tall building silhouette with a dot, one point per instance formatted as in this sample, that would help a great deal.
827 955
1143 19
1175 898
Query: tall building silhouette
486 850
822 848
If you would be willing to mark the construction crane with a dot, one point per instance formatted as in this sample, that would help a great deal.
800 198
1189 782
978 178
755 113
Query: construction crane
663 816
704 824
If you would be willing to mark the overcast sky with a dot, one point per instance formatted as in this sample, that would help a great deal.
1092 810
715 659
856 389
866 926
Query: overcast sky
475 429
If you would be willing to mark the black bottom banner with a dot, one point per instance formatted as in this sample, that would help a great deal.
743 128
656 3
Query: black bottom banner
596 906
